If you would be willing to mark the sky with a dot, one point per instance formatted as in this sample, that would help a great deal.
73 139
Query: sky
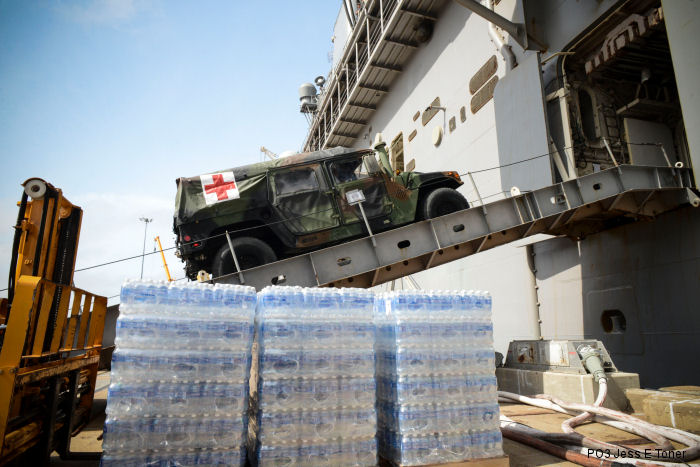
112 100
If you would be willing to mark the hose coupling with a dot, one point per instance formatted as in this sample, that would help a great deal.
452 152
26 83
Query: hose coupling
591 361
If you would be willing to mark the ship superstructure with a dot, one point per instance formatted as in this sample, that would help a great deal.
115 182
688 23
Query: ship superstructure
519 95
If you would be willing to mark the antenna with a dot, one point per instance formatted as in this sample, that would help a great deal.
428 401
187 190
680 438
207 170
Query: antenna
268 153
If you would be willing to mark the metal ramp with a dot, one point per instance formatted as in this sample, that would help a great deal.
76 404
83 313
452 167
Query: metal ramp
575 208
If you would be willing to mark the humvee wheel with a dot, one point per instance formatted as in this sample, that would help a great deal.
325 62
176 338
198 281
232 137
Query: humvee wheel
251 252
442 201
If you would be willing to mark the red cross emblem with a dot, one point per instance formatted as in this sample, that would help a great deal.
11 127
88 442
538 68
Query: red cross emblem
219 187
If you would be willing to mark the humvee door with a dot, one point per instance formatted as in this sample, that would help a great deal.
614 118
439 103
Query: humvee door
363 173
302 198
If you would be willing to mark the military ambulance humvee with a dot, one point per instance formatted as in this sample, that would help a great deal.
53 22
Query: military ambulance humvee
280 208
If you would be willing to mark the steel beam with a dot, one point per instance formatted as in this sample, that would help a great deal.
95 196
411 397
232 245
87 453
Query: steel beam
565 208
402 42
386 66
373 88
344 135
362 106
517 30
353 121
419 13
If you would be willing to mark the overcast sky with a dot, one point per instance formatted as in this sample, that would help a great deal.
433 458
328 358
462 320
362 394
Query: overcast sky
112 100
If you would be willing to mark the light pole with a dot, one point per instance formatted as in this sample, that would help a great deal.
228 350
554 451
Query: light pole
143 254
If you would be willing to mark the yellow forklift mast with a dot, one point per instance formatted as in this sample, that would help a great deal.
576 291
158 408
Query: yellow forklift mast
50 332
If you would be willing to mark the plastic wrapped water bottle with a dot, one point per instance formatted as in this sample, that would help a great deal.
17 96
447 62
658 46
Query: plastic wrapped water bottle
139 296
436 388
199 457
316 387
179 390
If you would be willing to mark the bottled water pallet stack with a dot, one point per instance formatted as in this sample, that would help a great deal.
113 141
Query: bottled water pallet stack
436 389
178 392
316 388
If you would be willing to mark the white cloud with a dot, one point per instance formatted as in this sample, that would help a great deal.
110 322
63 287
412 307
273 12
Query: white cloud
100 11
110 231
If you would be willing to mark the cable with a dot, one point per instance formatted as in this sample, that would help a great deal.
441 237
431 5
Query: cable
313 213
553 152
198 240
107 263
620 140
610 417
329 209
411 189
120 260
244 229
521 161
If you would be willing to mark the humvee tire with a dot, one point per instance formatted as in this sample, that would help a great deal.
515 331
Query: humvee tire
442 201
251 252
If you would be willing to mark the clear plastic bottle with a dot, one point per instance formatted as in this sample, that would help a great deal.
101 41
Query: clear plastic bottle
316 373
179 374
435 386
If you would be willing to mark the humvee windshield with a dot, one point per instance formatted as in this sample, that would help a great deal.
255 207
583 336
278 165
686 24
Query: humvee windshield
353 169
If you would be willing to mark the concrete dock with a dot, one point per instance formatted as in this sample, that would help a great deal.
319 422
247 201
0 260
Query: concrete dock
90 439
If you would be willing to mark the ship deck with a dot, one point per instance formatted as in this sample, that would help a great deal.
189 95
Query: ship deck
548 420
89 440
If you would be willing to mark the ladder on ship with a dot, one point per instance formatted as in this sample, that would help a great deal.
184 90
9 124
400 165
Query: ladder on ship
575 208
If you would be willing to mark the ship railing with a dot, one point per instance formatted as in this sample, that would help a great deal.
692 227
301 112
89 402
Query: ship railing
373 26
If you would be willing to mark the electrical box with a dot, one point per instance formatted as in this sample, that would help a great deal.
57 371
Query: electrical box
555 367
560 356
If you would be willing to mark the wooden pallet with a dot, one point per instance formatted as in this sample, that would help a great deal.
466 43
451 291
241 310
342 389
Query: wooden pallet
500 461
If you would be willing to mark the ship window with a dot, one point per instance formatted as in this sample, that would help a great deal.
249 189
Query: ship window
462 114
483 95
432 111
397 152
295 181
480 78
453 124
412 135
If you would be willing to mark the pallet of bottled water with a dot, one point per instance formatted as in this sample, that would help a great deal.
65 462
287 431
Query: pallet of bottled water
316 387
436 389
178 393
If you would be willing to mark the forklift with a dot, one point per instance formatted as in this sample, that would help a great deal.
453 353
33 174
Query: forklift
50 333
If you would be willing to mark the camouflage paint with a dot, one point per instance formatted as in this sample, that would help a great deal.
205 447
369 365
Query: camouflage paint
389 204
